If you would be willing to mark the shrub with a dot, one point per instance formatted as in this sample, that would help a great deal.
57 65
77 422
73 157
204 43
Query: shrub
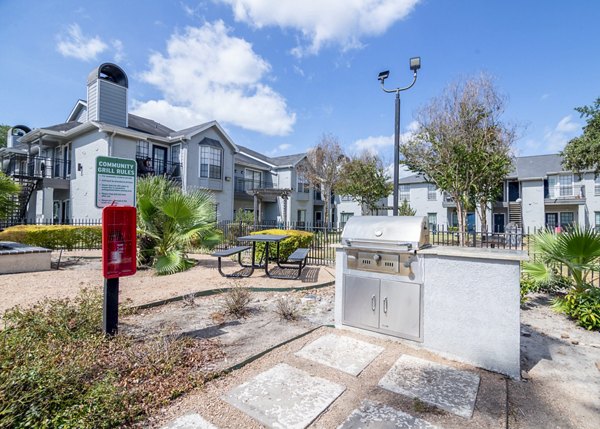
296 239
553 285
583 307
59 370
55 236
287 308
236 301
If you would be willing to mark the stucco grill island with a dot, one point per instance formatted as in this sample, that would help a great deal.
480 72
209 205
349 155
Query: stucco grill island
462 303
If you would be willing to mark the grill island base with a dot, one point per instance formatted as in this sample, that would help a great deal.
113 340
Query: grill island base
461 303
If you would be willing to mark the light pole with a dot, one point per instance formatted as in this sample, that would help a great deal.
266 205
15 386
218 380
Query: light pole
415 64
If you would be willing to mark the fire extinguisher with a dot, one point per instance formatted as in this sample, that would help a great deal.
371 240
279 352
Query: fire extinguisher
117 247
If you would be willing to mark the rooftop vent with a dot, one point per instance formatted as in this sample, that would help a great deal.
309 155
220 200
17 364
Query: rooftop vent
107 95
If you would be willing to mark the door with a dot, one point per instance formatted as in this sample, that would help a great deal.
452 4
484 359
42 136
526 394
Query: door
499 222
551 220
470 222
159 159
513 191
318 218
361 302
400 309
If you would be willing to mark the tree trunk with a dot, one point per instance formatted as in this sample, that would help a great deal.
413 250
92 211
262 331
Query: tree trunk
483 216
462 217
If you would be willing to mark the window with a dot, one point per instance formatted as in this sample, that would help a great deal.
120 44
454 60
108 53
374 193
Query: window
302 183
253 179
404 193
142 149
176 153
432 221
560 185
301 215
344 217
567 219
597 186
431 192
597 223
210 161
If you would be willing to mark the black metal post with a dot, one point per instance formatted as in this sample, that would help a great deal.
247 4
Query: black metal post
396 155
110 307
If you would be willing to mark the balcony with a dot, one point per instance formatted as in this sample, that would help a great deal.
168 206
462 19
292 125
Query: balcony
245 186
561 195
154 167
448 201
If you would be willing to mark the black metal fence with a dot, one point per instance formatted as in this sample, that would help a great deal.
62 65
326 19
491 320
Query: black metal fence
76 239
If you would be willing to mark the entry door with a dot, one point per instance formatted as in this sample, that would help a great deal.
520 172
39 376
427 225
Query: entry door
513 191
318 218
551 220
499 222
470 222
159 159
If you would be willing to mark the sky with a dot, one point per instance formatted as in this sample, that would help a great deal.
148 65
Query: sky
279 74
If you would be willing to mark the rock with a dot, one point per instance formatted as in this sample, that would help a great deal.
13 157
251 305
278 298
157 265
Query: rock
564 336
526 333
525 376
575 342
598 365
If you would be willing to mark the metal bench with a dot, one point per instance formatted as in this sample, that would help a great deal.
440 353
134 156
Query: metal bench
230 252
298 260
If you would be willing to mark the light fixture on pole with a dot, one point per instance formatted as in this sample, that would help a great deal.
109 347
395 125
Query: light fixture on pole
415 64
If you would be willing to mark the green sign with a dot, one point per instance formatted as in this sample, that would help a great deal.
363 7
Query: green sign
115 181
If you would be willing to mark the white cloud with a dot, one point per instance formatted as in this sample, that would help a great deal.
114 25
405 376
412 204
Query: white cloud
322 23
77 45
207 74
556 138
119 54
279 149
544 97
379 144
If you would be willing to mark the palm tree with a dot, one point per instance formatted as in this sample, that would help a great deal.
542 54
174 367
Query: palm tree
578 249
8 190
169 221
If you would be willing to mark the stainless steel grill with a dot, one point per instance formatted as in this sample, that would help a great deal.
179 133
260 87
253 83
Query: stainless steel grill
383 274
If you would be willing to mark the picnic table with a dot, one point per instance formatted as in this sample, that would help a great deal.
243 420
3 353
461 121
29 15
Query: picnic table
296 260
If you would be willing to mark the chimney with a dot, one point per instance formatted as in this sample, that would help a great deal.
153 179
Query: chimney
107 95
15 133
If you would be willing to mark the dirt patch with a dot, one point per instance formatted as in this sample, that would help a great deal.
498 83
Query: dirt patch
240 338
79 270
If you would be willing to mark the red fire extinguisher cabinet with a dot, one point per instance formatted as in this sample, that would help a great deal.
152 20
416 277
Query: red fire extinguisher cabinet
118 241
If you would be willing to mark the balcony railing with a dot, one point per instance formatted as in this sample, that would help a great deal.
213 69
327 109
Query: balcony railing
153 167
37 166
570 192
246 185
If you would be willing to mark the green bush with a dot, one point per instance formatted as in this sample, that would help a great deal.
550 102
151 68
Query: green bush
583 307
555 284
55 236
296 239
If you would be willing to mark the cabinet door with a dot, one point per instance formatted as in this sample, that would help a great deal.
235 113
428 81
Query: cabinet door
401 309
361 302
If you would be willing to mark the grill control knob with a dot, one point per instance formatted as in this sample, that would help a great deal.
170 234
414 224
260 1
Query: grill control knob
376 257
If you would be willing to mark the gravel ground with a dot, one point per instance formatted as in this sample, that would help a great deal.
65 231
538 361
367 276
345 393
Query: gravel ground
77 273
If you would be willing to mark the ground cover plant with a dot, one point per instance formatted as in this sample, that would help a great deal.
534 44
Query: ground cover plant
57 369
577 251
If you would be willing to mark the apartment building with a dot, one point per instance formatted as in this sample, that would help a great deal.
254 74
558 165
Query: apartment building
55 165
537 193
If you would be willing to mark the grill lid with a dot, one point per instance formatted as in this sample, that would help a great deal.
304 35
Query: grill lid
386 232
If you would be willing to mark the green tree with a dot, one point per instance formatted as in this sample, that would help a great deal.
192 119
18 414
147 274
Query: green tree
8 191
364 180
3 134
583 152
461 145
322 168
169 221
406 210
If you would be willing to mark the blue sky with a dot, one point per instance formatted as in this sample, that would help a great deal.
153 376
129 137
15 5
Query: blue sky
279 74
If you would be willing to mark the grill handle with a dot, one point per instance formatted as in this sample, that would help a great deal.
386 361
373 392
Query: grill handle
385 305
373 302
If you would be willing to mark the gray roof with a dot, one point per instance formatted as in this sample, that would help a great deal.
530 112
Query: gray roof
288 159
64 126
415 178
148 126
240 158
189 130
529 167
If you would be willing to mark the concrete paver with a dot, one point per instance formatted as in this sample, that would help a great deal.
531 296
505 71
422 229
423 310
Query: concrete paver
190 421
440 385
284 397
340 352
372 415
